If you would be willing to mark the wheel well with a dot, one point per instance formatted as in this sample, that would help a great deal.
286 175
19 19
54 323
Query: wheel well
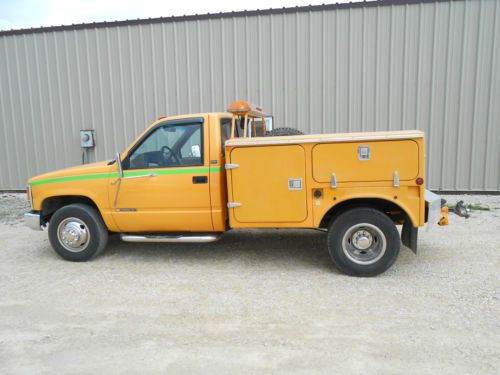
391 209
52 204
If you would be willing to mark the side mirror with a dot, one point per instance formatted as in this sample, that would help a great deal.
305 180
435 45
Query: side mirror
119 164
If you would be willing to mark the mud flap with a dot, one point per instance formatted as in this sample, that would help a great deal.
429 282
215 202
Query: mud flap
409 236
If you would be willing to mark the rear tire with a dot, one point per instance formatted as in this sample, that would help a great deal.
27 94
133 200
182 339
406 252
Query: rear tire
77 232
363 242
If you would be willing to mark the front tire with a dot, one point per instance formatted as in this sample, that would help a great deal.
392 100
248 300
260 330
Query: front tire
77 232
363 242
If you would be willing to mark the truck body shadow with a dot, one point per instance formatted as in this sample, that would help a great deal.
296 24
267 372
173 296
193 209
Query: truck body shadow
296 248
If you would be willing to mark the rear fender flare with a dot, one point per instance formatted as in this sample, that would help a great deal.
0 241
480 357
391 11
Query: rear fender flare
368 200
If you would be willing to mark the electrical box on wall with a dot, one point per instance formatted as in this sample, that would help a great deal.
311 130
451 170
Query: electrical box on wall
87 138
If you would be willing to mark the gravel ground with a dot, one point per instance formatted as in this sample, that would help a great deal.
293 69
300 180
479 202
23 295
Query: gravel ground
254 302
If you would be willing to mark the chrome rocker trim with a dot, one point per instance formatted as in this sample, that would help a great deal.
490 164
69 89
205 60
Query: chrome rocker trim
170 238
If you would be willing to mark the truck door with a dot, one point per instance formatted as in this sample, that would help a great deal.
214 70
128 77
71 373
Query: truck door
166 180
268 184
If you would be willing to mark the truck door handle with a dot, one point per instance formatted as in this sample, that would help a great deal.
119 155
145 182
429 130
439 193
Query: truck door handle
200 179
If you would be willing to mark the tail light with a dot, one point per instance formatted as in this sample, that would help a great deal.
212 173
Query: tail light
419 181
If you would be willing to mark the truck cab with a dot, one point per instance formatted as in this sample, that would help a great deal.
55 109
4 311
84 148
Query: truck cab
190 178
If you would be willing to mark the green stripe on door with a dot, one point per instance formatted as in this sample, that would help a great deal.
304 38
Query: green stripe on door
73 178
127 174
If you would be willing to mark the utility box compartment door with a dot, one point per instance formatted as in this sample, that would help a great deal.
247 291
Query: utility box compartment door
269 183
365 161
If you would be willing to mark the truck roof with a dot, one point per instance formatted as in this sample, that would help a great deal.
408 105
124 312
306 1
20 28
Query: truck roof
201 114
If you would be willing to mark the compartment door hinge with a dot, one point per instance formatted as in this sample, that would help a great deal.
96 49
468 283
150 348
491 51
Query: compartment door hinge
231 166
233 204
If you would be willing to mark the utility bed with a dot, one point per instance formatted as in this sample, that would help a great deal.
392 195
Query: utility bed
274 179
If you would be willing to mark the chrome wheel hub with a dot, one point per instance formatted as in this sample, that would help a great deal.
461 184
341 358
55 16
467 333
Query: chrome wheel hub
362 239
364 243
73 234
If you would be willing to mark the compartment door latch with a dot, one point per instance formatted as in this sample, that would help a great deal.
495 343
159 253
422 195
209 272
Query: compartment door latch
295 184
395 179
364 153
333 183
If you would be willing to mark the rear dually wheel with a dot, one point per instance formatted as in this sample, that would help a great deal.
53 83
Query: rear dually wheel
363 242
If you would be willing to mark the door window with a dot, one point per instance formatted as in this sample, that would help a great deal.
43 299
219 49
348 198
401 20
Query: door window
169 146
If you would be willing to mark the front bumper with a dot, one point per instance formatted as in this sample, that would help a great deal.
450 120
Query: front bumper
32 220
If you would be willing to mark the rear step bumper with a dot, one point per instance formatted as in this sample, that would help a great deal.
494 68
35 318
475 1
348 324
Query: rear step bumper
170 238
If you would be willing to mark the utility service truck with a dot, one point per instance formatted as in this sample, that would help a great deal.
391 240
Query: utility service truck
191 178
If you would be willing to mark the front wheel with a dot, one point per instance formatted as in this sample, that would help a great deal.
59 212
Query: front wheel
363 242
77 232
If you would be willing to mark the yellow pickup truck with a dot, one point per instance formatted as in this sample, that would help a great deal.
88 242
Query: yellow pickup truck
191 178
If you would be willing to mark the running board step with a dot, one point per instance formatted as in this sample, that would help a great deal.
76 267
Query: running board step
169 238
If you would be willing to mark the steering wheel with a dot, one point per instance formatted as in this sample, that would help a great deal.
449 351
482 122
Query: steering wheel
167 154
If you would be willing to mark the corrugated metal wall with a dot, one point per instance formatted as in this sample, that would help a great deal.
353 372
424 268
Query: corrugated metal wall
433 66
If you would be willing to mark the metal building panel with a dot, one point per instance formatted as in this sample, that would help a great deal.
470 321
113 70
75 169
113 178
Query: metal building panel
430 65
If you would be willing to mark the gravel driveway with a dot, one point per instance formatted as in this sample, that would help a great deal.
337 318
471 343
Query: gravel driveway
254 302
